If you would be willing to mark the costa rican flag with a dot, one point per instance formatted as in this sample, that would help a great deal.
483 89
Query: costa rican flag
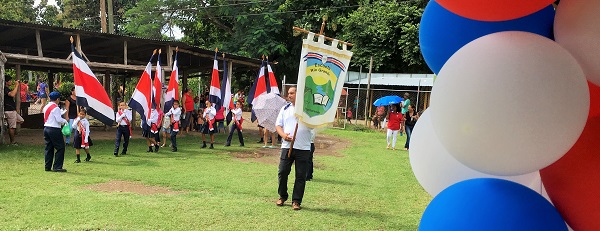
260 85
336 62
272 81
141 100
214 96
226 93
89 92
173 87
313 55
157 85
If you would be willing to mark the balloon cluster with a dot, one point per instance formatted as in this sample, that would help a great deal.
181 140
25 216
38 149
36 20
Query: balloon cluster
512 138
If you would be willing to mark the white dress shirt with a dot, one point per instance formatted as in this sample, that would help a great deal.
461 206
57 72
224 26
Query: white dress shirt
120 118
211 112
176 112
288 121
55 118
237 112
153 118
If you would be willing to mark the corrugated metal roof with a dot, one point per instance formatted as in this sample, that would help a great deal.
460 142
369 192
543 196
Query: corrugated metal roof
391 79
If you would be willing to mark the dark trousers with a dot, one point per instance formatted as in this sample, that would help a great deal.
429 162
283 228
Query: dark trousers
408 133
240 137
54 140
285 167
173 137
309 172
122 131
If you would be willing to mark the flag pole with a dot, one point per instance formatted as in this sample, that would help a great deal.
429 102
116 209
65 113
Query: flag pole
293 140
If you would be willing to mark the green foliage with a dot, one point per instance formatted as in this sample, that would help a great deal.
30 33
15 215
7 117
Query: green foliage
18 10
65 89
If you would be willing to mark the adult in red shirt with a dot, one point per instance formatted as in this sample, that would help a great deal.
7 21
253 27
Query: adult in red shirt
187 109
394 119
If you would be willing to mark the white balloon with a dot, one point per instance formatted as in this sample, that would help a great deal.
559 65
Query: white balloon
436 169
510 103
576 29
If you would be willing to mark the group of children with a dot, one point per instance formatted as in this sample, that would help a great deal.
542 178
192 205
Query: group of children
165 123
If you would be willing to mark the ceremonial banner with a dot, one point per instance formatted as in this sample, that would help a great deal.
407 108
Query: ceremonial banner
141 100
172 93
321 78
214 95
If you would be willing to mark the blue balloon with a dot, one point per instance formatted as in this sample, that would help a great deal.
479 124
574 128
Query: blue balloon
490 204
442 32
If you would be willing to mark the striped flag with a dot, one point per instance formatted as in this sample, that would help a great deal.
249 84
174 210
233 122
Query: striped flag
226 93
214 96
89 91
173 87
157 85
141 100
272 81
260 85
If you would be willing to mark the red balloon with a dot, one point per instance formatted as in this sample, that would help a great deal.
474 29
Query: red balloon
594 100
573 182
494 10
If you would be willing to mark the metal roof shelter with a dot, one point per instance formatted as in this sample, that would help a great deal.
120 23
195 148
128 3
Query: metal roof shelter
28 46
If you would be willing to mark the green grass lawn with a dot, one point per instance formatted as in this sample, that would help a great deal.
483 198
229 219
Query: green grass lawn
367 188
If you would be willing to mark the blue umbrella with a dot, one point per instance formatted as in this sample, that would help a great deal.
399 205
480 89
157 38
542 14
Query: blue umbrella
388 100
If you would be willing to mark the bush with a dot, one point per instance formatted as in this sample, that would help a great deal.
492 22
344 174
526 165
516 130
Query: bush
65 90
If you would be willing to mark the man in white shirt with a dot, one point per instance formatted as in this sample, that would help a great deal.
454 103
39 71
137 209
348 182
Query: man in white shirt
123 119
286 124
53 136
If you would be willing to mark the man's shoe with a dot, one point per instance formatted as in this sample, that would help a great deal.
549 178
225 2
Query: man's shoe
241 145
174 150
116 154
280 202
59 170
227 145
123 153
48 170
295 206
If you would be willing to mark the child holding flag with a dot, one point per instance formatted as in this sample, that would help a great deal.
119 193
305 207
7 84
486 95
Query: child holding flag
237 124
209 120
147 132
123 118
82 135
174 114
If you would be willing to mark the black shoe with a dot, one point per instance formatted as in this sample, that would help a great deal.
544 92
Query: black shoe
150 149
211 146
123 153
48 170
227 145
116 154
77 161
241 145
260 141
174 150
59 170
88 158
203 145
156 148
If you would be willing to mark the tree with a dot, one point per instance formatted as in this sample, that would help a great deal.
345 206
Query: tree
18 10
388 31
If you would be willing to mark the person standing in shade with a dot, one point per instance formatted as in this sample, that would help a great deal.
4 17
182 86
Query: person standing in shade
10 108
286 124
71 106
188 108
409 123
123 118
173 115
394 119
237 124
53 135
209 124
405 103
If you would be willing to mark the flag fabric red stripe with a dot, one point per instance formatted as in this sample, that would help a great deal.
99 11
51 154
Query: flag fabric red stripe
157 85
272 80
141 100
89 92
261 84
172 93
214 95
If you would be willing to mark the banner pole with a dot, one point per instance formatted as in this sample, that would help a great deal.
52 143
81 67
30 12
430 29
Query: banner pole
293 140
